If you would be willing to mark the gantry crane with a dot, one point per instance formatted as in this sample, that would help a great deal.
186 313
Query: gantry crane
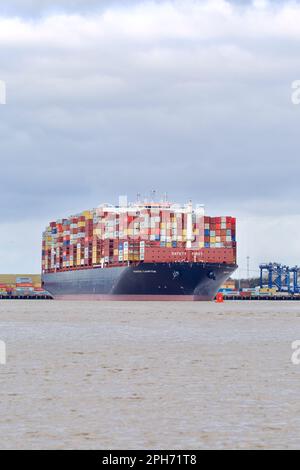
284 278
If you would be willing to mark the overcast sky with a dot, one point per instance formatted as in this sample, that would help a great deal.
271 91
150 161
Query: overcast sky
113 97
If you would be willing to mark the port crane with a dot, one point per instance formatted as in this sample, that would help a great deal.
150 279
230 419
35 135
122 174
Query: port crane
295 272
280 276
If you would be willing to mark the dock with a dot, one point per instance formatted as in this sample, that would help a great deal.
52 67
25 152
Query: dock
26 297
262 297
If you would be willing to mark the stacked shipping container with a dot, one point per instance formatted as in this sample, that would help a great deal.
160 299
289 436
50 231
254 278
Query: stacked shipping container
150 232
20 285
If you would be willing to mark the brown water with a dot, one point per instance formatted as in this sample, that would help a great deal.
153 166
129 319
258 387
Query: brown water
149 375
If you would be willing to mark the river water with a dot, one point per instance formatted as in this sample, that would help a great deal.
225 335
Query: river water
122 375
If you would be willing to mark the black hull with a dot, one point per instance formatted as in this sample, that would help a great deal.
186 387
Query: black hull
147 281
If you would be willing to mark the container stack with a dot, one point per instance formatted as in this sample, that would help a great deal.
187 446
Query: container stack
219 232
24 285
149 232
20 285
3 289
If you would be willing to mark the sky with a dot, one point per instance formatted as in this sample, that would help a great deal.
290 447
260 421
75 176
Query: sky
191 97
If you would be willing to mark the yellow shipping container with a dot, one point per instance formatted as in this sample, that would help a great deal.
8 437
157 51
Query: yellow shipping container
267 290
87 214
229 284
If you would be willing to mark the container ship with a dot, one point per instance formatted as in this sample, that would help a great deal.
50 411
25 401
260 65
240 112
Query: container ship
139 251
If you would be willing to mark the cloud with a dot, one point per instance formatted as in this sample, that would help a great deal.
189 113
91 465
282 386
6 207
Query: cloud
189 97
37 8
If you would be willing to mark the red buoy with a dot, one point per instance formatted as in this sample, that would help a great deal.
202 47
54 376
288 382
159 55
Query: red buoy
219 298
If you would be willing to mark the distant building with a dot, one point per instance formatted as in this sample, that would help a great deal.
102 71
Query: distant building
229 284
12 278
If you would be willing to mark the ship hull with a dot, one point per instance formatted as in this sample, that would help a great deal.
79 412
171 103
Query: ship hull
146 281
